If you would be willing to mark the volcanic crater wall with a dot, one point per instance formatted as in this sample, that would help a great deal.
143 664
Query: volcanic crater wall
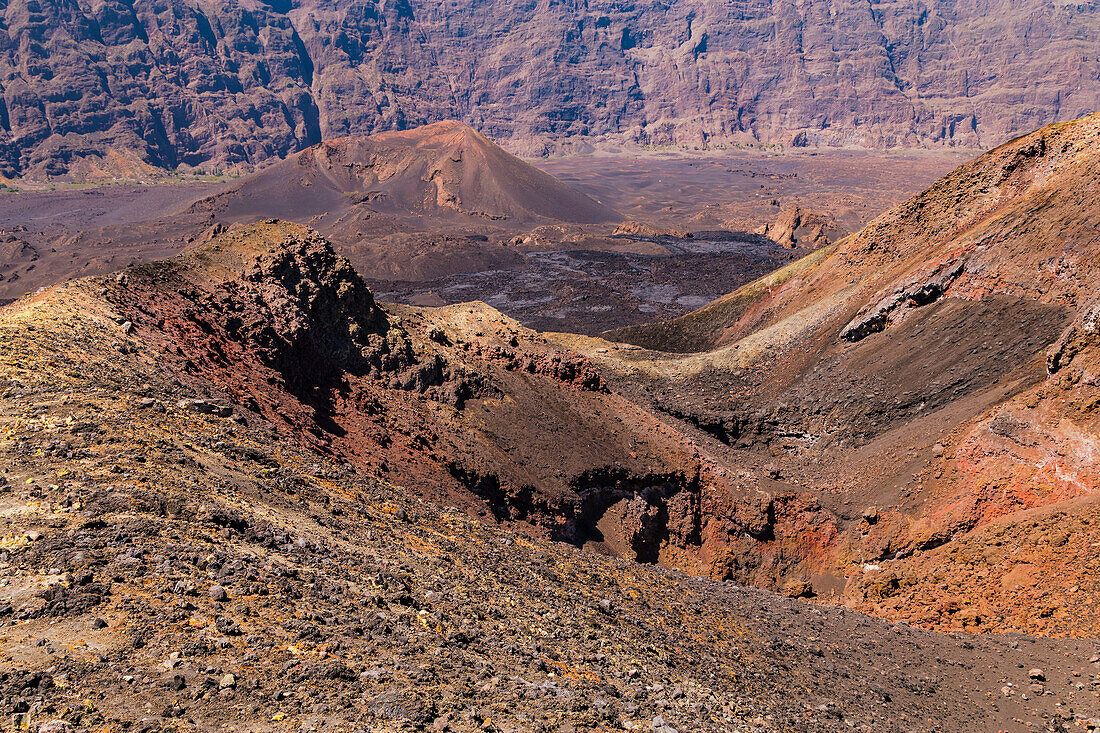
110 87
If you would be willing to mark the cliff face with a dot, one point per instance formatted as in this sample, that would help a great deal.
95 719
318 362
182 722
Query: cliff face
193 84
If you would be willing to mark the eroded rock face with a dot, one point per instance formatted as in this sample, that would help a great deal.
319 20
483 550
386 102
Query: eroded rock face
108 88
289 299
920 290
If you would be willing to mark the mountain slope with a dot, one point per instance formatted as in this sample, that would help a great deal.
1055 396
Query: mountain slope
179 555
200 85
412 205
932 380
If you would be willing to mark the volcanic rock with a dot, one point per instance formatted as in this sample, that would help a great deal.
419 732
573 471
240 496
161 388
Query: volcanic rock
296 507
795 227
117 89
941 362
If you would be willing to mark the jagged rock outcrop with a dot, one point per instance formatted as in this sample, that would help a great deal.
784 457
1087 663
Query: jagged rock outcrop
796 227
102 88
285 297
919 290
1081 335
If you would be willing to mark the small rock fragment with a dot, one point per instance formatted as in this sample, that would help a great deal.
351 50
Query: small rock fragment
659 725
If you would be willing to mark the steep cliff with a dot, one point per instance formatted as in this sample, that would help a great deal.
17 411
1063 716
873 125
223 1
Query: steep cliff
207 85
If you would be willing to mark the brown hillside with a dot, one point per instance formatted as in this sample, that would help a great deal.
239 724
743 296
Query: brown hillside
175 560
938 366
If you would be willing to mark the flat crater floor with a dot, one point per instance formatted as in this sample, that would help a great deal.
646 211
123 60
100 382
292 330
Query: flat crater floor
590 291
719 196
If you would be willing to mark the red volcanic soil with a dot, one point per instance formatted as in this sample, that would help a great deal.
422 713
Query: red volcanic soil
217 468
457 402
837 427
460 404
175 560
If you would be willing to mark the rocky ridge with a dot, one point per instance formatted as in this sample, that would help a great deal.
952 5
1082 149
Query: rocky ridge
472 408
